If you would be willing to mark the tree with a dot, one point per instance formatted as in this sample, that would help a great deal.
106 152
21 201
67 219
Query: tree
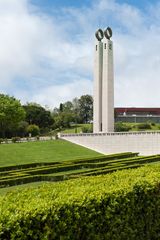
63 120
22 128
61 107
86 108
64 115
33 129
76 110
36 114
68 107
11 113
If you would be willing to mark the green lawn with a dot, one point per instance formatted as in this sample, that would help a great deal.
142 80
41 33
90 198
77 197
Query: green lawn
134 127
49 151
154 126
76 128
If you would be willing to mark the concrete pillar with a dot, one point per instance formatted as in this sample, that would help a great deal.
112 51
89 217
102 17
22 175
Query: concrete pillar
107 87
97 96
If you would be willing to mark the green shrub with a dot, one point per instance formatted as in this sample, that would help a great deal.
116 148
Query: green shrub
33 129
122 205
16 139
87 129
144 126
121 127
1 140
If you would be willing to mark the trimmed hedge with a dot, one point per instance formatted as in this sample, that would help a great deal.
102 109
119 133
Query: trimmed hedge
24 166
117 206
109 170
65 166
28 179
106 157
76 161
57 169
20 174
68 170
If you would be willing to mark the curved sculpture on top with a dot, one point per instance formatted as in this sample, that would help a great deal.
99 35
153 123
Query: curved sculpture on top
100 34
108 33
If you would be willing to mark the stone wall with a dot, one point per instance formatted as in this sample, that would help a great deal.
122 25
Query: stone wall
146 143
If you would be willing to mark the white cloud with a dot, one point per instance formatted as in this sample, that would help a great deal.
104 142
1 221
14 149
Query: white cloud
22 35
138 69
34 50
49 59
55 94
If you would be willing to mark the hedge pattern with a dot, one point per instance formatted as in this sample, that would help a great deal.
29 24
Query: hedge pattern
117 206
59 171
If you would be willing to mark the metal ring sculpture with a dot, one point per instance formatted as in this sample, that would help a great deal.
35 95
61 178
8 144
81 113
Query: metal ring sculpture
108 33
99 34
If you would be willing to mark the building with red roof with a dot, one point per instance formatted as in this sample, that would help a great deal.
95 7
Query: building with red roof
133 114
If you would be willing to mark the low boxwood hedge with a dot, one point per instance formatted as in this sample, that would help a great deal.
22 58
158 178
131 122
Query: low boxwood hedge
66 170
110 169
106 157
117 206
76 161
29 179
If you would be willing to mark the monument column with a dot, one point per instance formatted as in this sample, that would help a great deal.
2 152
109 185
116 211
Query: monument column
107 84
98 65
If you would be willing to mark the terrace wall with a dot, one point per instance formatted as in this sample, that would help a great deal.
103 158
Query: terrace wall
146 143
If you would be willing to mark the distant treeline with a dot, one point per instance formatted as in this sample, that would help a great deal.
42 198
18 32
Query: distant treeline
21 120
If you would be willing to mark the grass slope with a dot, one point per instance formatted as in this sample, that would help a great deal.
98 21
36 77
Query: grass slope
76 128
134 126
49 151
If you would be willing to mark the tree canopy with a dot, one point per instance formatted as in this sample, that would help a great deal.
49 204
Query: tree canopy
16 119
36 114
75 111
11 114
86 108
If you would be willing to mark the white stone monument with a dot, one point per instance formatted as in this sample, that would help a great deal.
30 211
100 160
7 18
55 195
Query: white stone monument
103 108
107 142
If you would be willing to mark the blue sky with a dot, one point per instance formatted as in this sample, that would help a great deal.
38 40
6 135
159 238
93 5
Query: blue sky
47 49
47 4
